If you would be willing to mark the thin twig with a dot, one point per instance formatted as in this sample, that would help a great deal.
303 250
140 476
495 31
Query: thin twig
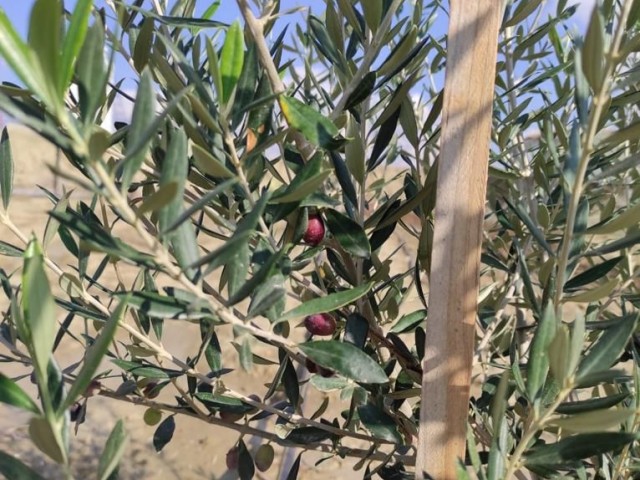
246 429
599 104
256 29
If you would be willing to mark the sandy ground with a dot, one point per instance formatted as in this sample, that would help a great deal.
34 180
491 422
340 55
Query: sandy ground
197 450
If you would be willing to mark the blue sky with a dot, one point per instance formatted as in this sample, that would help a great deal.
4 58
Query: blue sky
18 11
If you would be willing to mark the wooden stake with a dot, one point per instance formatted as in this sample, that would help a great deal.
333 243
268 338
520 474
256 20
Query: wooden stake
455 259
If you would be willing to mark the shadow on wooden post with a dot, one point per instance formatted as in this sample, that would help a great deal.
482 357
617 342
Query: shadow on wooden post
462 179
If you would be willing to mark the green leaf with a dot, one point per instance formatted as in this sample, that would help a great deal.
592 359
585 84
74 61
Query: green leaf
144 44
604 376
236 268
12 468
577 447
409 322
8 250
175 169
146 371
214 66
408 122
55 390
535 231
20 57
316 128
246 467
201 203
597 293
496 466
48 440
258 279
634 15
627 219
354 151
266 296
250 221
324 42
524 9
593 50
139 135
349 234
6 168
610 138
307 435
538 364
306 182
348 10
401 55
211 344
209 164
245 353
347 360
372 10
44 38
625 242
159 199
231 60
379 423
560 355
224 253
52 223
247 84
12 394
164 433
290 382
92 72
74 39
596 421
163 306
113 450
223 403
577 341
394 105
38 308
94 356
329 384
95 237
592 404
434 113
362 91
184 22
211 9
385 134
295 468
607 349
356 330
327 303
592 274
344 178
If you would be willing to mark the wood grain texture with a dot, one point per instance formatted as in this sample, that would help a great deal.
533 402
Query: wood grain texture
462 180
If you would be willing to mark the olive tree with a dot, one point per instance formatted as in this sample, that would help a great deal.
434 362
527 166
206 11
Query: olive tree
273 194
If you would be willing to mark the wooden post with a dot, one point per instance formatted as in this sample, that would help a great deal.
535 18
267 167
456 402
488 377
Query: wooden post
462 180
